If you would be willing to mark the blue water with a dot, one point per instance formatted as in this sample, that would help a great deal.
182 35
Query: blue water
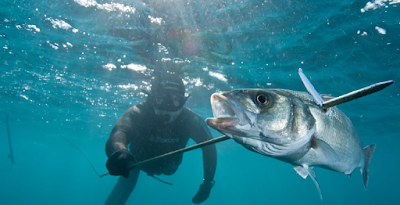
69 69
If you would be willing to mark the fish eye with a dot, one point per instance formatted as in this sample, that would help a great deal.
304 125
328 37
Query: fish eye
262 100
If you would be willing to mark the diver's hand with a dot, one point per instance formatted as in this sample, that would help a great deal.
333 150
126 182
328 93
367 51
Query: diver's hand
118 162
203 192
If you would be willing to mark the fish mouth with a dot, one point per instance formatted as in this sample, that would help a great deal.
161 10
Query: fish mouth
228 114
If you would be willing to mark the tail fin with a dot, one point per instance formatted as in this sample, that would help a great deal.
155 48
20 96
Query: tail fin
369 151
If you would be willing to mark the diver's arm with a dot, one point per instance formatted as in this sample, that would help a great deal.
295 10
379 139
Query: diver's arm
119 157
117 141
201 134
120 134
209 162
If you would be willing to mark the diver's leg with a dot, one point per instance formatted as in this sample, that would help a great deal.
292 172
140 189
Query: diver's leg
123 189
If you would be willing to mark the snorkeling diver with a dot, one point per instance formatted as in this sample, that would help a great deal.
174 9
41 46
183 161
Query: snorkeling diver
159 125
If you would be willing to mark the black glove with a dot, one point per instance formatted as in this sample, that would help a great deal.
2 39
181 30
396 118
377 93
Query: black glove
118 162
203 192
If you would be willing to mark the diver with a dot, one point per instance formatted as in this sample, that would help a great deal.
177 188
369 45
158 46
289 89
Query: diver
157 126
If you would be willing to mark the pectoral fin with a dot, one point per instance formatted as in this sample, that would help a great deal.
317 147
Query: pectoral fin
324 150
304 171
301 171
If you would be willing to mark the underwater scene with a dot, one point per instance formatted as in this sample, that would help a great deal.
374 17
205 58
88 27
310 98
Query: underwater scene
70 69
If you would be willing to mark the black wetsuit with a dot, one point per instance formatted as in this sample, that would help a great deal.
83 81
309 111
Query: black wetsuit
148 137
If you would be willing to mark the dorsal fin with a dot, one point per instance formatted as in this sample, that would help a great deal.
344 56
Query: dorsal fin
310 88
326 97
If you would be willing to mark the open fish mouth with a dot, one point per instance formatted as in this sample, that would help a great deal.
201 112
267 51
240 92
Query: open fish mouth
221 107
224 114
228 114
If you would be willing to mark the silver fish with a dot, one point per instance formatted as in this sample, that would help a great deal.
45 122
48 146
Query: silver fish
292 127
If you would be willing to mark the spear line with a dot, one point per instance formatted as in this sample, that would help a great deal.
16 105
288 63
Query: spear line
11 155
